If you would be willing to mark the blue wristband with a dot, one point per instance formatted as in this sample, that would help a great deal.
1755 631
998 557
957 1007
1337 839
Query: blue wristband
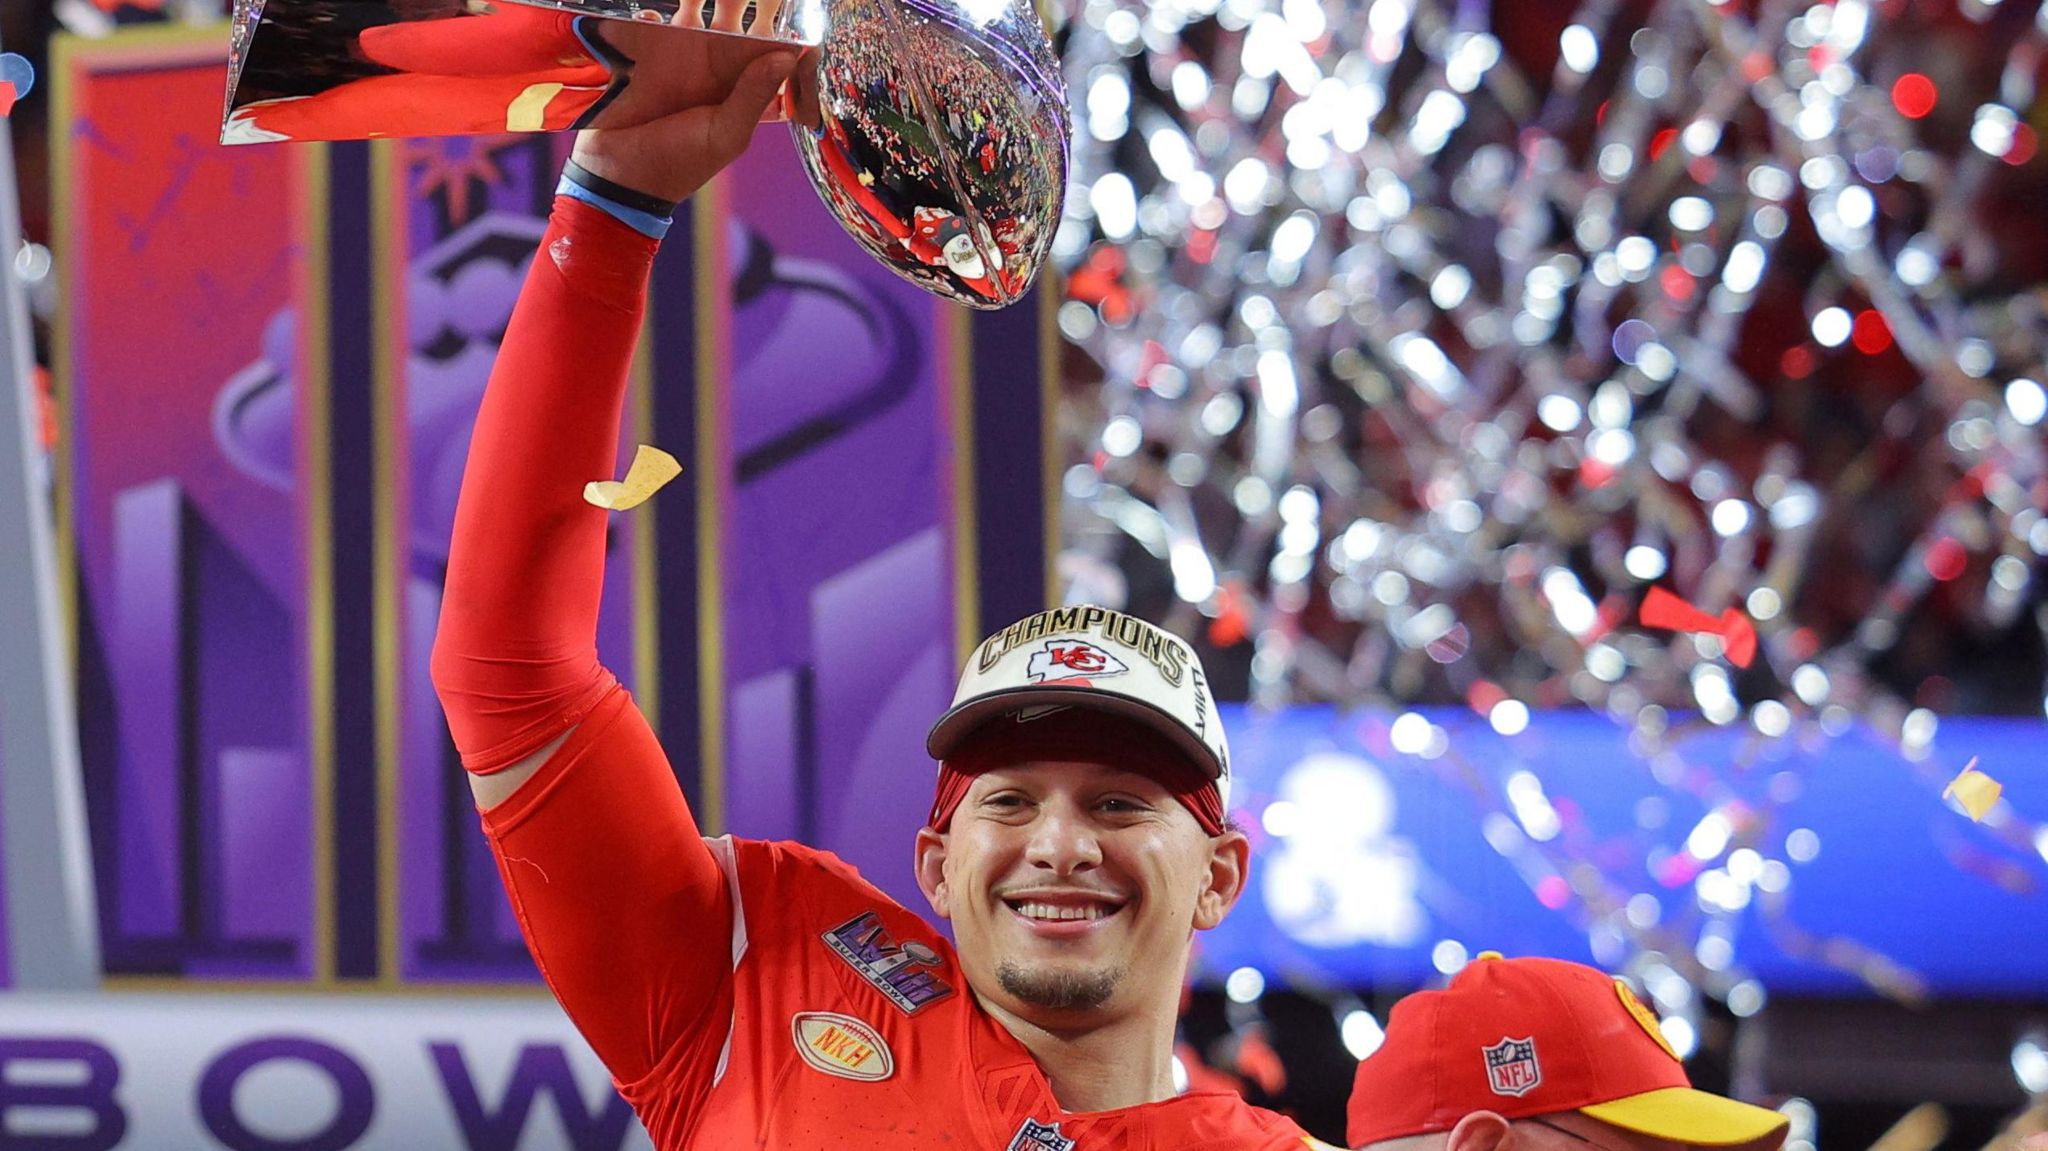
646 223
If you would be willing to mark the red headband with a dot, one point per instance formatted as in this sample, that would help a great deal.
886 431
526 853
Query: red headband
1084 735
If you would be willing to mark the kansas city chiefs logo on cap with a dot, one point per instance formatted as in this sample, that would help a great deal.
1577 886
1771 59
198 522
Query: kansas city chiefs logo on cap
1061 660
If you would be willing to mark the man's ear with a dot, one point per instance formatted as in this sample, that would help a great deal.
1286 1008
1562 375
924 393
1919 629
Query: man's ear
1230 856
930 865
1481 1131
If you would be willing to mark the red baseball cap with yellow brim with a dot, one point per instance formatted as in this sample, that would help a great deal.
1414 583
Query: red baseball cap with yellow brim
1528 1037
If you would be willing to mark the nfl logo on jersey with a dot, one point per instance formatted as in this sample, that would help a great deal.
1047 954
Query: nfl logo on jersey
1036 1136
1511 1067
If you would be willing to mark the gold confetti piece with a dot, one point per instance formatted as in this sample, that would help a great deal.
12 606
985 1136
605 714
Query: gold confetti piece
1974 790
651 471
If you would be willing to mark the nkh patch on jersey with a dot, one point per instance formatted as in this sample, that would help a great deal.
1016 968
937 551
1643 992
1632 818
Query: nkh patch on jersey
1511 1067
1036 1136
841 1045
1067 659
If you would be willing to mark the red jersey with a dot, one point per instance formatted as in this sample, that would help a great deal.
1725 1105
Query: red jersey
853 1026
743 994
817 1014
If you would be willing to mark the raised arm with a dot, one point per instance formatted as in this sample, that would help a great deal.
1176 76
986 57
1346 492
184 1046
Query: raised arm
626 912
515 658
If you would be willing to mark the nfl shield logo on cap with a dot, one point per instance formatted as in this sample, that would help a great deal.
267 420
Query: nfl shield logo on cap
1091 657
1511 1067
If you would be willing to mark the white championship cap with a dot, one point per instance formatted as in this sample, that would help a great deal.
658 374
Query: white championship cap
1095 658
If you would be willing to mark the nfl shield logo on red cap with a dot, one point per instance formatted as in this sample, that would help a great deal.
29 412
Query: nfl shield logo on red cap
1511 1067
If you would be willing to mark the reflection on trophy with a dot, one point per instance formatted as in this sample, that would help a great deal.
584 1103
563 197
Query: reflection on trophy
944 141
939 140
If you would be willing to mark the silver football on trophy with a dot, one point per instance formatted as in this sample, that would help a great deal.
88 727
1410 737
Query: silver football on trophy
943 140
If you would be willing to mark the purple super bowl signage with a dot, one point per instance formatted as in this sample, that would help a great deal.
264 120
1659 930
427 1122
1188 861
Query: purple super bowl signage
271 1073
187 574
839 559
271 364
470 213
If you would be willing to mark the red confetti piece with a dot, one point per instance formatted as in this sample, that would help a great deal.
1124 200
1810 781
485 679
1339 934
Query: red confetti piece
1676 282
1914 95
1803 644
2024 145
1970 485
1946 558
1740 637
1483 694
1232 624
46 410
1871 333
1100 282
7 97
1662 609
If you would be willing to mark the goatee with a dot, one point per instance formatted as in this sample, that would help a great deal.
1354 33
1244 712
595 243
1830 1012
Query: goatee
1059 990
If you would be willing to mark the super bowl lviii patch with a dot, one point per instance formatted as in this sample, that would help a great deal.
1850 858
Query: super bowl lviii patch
907 973
1511 1067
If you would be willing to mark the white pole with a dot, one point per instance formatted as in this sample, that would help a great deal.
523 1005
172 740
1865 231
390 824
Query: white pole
52 913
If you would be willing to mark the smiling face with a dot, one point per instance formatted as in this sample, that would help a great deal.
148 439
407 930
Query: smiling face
1075 888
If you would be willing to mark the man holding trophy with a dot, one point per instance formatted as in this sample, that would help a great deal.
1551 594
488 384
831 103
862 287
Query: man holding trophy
761 994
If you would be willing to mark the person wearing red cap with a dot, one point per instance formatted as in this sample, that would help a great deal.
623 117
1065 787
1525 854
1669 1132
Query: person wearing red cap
760 994
1543 1055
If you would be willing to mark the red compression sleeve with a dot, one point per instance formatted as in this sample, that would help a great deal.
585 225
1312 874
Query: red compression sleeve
624 908
515 659
622 904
